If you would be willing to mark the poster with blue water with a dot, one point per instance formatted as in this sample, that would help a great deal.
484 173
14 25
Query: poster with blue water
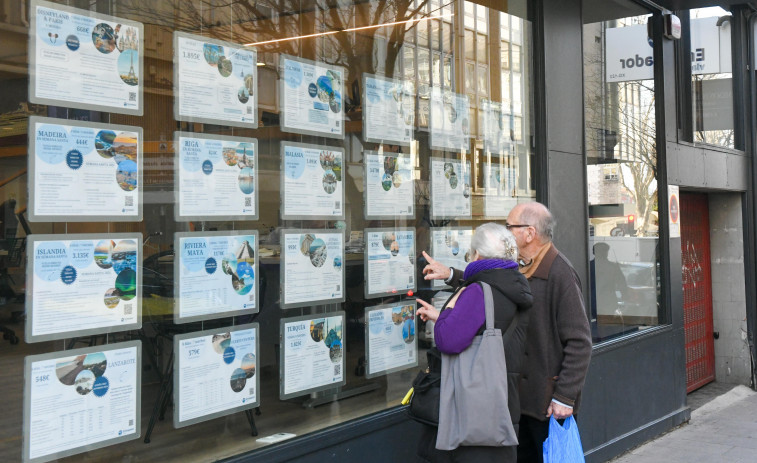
84 172
215 274
312 182
84 284
311 97
83 59
389 261
390 340
215 82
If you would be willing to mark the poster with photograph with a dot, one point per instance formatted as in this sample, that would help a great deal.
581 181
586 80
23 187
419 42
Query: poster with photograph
311 97
84 171
217 177
216 274
86 60
390 338
496 128
80 400
215 373
500 186
389 261
312 354
389 110
450 124
215 82
450 188
451 247
80 285
389 189
312 183
313 267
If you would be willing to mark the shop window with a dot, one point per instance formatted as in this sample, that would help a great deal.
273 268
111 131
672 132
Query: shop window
621 171
211 209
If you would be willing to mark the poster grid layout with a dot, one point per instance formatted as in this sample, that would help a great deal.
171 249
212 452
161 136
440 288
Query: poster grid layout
215 82
216 373
312 182
389 189
83 284
391 341
218 177
450 189
80 400
84 171
215 274
451 247
390 261
389 110
312 354
85 60
311 97
312 267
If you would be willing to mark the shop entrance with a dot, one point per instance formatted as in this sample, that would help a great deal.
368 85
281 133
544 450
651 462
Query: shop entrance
697 290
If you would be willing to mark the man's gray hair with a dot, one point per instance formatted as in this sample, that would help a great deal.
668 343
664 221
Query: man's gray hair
494 241
538 216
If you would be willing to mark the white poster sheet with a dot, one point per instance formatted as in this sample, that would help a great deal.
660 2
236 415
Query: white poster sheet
390 339
311 97
312 354
87 60
389 261
84 171
500 180
451 247
215 373
450 188
496 128
83 284
389 110
215 82
312 182
389 189
313 267
216 274
450 124
217 177
80 400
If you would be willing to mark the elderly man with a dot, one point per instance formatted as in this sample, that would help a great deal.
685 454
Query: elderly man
558 346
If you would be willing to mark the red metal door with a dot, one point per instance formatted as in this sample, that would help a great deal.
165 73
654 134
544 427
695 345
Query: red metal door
697 290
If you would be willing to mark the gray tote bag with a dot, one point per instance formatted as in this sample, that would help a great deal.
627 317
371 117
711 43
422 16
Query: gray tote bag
473 392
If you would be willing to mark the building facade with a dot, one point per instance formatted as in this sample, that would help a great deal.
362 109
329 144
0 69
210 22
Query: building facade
257 180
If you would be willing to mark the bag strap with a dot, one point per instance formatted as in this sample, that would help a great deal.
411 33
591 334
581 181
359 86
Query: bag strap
489 308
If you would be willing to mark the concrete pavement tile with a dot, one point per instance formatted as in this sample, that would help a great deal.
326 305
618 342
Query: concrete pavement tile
740 455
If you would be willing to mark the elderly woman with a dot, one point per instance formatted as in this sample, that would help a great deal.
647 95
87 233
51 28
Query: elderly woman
493 260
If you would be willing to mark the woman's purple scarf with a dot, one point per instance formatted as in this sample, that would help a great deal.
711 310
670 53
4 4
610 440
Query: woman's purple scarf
487 264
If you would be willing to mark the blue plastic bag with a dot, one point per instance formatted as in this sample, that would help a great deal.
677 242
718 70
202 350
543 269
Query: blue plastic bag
563 444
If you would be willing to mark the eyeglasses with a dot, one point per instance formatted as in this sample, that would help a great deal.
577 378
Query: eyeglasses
511 226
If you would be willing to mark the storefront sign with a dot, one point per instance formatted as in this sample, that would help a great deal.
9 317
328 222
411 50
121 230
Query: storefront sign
83 171
311 182
216 275
81 59
674 211
217 177
312 354
216 373
450 188
312 97
83 285
80 400
313 267
450 127
389 261
451 247
390 339
215 81
389 112
389 190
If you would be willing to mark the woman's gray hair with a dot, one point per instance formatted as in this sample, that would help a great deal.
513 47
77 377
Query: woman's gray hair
494 241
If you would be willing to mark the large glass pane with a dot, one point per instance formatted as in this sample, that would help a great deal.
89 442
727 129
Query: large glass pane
621 171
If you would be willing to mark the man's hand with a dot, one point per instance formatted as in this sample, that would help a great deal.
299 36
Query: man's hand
559 411
427 311
435 270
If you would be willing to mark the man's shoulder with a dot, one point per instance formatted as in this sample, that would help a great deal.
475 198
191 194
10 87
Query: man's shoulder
562 268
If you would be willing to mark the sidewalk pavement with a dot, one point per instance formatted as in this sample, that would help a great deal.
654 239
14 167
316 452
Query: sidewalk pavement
723 430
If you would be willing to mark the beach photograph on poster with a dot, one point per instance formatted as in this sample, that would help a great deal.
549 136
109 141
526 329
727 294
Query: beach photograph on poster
390 261
389 189
312 269
311 97
313 353
391 341
312 183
